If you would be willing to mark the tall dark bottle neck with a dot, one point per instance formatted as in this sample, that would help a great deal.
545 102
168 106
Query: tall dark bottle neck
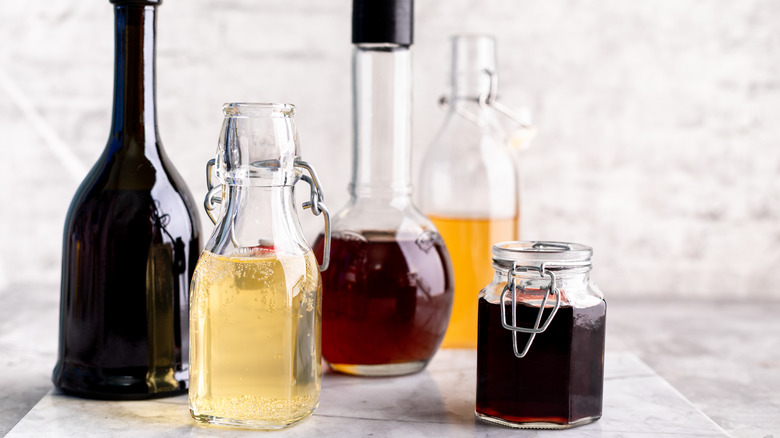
134 112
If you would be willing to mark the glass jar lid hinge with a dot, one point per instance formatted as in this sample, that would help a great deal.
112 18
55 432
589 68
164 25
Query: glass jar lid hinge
512 287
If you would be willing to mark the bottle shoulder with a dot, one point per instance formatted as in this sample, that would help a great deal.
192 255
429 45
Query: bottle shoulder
463 151
119 189
374 215
134 167
467 126
459 181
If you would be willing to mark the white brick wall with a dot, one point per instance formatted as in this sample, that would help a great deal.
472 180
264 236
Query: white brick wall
656 137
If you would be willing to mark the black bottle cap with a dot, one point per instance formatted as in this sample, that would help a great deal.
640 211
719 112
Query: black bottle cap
137 2
383 21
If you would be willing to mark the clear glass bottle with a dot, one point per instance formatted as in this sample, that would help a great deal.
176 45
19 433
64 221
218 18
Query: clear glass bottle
469 183
540 358
255 309
388 295
131 240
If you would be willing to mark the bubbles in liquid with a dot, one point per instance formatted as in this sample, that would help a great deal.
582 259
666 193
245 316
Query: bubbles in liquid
252 354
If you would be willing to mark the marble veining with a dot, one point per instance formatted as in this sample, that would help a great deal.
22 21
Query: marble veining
435 403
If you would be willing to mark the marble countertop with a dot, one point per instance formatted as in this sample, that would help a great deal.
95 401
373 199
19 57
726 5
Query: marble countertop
438 402
692 360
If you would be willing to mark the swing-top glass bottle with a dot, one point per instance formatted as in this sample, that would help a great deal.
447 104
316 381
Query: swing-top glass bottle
255 308
469 182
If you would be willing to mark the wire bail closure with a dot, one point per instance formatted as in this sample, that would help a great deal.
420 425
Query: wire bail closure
214 195
511 286
548 259
315 203
487 100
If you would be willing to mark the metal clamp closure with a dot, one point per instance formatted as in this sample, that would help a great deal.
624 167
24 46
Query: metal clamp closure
487 100
317 205
213 196
512 287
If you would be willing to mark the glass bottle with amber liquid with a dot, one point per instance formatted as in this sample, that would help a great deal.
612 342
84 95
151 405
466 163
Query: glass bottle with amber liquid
131 241
469 183
388 293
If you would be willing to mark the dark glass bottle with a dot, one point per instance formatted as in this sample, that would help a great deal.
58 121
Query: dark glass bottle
130 245
388 292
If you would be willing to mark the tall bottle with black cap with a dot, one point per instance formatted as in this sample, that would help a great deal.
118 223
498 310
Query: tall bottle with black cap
388 293
130 244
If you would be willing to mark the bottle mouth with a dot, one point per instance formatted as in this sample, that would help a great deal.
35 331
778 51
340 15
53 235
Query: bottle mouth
250 109
473 38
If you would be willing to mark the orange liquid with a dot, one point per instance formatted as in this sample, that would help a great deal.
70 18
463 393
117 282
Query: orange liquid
469 242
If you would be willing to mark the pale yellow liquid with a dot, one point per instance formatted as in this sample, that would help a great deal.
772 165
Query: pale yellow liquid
255 339
470 242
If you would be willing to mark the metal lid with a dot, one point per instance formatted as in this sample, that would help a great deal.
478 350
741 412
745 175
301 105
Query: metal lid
535 253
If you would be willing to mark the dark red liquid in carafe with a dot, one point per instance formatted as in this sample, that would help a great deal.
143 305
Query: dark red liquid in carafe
560 380
386 299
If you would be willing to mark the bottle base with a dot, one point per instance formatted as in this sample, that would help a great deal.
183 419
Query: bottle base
132 383
120 396
382 370
534 424
248 424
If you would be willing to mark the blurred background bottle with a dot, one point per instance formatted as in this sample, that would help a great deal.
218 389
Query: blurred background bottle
469 181
388 292
131 241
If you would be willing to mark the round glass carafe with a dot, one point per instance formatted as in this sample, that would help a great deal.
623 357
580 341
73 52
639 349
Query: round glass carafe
540 316
388 294
255 309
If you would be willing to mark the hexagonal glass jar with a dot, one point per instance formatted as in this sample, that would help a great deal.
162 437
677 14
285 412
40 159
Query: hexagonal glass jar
540 353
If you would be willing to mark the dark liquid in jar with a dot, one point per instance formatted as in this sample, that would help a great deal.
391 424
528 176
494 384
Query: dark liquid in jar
385 299
559 381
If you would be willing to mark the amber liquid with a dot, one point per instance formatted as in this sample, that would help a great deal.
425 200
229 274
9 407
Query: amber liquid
255 337
469 242
386 301
559 382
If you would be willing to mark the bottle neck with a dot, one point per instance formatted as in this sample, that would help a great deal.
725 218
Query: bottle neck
382 118
134 120
258 218
473 69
